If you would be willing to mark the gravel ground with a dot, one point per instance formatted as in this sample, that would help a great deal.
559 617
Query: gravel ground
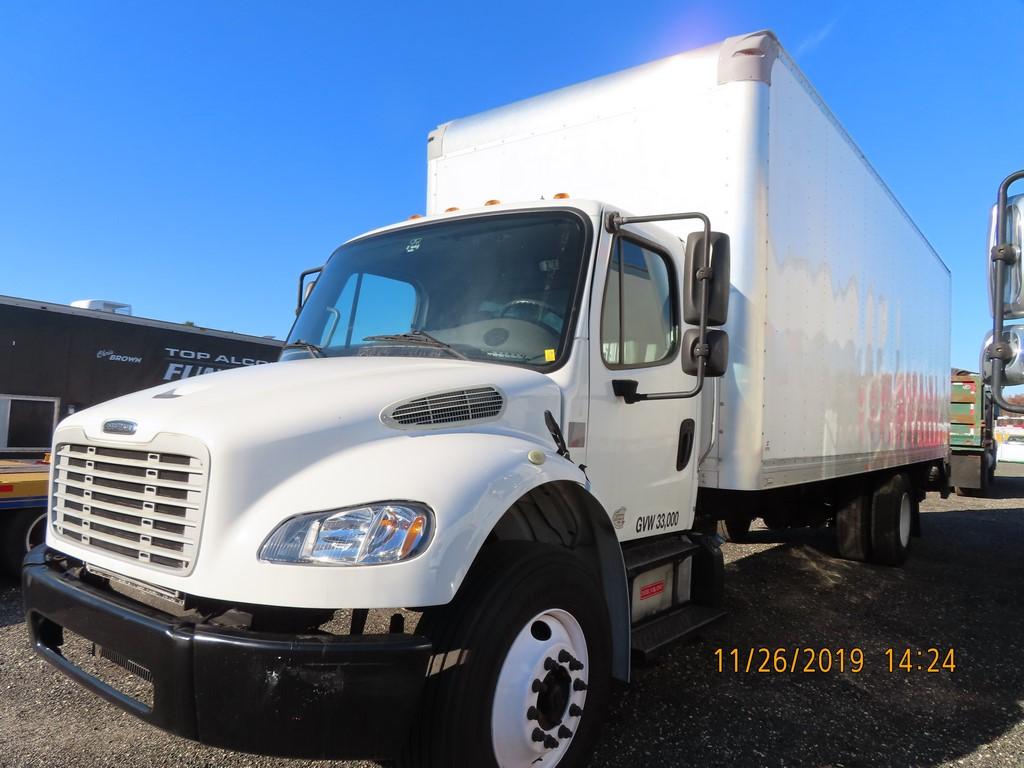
961 589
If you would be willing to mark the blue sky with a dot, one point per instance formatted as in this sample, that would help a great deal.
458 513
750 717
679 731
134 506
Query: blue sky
192 158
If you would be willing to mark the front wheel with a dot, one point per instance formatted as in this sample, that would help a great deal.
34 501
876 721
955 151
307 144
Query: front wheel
521 669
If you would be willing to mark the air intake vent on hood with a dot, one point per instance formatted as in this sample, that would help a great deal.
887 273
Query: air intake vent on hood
446 408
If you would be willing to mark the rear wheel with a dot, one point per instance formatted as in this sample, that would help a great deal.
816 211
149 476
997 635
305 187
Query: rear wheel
853 528
522 664
734 527
893 508
25 529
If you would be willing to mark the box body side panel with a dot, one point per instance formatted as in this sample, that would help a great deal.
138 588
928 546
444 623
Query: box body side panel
858 307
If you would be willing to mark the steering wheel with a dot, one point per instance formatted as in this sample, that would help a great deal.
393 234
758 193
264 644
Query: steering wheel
541 306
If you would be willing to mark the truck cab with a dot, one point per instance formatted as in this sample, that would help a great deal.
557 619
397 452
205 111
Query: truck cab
447 431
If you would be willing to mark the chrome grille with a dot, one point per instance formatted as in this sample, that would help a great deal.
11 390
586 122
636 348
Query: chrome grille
448 408
145 506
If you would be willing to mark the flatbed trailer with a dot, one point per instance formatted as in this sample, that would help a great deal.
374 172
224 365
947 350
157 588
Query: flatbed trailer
23 505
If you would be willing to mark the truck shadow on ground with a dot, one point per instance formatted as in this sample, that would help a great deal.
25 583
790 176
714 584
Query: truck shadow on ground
960 590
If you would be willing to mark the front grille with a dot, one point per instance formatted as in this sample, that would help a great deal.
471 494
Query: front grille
145 506
448 408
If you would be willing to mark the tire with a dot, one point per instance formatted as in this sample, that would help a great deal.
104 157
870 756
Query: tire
853 528
893 508
25 529
527 612
734 527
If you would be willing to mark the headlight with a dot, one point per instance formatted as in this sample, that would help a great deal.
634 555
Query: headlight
369 535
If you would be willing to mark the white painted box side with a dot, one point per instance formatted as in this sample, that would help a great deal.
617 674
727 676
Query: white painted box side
857 307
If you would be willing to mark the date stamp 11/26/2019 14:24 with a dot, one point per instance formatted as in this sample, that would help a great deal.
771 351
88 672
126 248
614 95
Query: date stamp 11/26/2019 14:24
806 660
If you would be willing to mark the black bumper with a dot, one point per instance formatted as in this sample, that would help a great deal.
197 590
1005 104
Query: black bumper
291 695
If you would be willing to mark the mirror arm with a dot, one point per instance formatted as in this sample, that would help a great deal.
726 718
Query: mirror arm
626 388
302 280
1003 254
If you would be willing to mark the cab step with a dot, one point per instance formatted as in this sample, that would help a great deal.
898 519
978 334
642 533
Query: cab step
640 557
654 636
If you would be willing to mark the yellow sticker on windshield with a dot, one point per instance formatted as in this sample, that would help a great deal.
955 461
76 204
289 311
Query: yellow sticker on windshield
549 355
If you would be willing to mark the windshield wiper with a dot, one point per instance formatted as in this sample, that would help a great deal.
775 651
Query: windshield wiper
313 349
417 337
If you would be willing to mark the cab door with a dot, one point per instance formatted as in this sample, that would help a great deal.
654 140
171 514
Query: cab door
641 456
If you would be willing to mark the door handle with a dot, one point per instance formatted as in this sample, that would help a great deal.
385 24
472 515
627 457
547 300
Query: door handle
685 444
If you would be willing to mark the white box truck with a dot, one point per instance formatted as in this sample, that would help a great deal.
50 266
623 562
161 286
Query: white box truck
520 416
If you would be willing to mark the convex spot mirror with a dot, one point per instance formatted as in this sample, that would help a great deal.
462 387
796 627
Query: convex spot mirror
718 352
1013 286
1013 373
718 286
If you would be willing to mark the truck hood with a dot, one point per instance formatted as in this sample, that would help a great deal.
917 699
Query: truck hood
327 402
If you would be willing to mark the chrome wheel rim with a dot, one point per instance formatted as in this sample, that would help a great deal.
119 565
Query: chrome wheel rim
541 692
905 520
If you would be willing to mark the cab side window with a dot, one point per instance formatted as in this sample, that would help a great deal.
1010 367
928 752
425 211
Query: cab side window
638 319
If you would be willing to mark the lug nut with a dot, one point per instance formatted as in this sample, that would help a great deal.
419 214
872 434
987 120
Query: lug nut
550 664
538 686
538 735
563 732
575 711
550 742
532 714
579 685
575 665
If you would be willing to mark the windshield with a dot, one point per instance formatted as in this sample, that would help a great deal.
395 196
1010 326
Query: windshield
499 288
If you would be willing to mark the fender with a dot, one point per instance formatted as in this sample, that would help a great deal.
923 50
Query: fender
468 479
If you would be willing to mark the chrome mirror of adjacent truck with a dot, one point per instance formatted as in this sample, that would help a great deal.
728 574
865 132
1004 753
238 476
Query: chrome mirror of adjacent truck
1011 241
1013 370
1006 238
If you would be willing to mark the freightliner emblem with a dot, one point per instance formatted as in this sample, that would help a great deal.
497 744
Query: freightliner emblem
120 427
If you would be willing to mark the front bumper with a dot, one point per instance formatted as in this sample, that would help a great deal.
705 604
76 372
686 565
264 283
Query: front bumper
309 696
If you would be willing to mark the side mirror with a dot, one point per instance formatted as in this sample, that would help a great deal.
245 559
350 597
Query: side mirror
1013 286
1013 373
306 288
718 286
718 352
